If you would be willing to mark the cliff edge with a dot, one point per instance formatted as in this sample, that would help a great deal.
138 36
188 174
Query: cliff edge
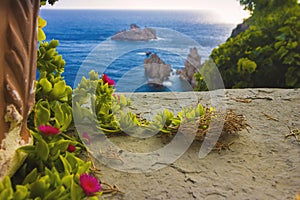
262 163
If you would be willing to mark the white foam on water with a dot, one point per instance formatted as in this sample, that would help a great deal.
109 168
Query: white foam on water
167 83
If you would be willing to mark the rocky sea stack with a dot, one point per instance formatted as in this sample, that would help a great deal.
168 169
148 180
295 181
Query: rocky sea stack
135 34
156 70
191 66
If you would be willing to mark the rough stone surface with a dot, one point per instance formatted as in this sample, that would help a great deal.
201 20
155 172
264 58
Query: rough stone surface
262 163
156 70
135 34
191 66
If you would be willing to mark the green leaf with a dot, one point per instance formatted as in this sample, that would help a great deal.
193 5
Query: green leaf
292 45
84 168
201 109
67 110
62 145
6 191
46 85
76 191
279 44
31 177
21 192
246 66
59 115
39 188
53 43
191 114
42 150
58 89
93 198
6 194
290 78
93 75
123 100
67 181
66 164
27 149
42 113
54 155
41 22
41 35
282 52
73 160
55 194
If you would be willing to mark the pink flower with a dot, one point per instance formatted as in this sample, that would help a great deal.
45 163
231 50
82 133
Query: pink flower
48 130
71 148
107 80
89 184
116 96
87 137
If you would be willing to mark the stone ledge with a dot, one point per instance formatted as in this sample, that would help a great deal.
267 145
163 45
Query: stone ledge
262 163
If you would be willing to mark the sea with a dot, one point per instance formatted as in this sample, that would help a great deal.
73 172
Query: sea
85 43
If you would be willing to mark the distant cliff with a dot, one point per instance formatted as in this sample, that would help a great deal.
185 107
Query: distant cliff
238 29
135 34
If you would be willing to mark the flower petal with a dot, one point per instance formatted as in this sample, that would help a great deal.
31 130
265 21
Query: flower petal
89 184
107 80
71 148
48 130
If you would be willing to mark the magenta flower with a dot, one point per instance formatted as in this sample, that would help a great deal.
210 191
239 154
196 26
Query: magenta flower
107 80
117 96
48 130
87 137
89 184
71 148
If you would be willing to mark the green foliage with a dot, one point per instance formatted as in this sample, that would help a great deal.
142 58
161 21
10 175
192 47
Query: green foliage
267 54
53 97
41 24
94 102
50 171
58 182
208 77
245 68
261 5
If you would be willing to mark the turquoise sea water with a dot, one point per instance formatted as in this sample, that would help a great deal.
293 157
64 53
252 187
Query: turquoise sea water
85 43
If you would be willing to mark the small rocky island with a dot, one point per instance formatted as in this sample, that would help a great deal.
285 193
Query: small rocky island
135 34
156 70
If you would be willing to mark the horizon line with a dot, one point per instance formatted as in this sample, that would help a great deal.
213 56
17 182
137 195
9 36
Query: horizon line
160 9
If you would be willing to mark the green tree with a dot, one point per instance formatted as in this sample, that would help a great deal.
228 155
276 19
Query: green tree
260 5
272 43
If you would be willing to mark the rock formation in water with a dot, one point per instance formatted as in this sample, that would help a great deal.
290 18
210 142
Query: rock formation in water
191 66
135 34
156 70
